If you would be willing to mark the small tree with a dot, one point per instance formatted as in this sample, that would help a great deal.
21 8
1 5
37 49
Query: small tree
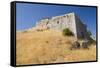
91 40
67 32
89 33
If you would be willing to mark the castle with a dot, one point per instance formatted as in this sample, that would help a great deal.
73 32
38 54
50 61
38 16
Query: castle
70 20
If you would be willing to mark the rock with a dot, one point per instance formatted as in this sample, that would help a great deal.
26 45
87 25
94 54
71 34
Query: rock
75 45
85 45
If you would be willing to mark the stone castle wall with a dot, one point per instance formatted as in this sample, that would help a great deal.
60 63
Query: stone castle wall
81 29
70 21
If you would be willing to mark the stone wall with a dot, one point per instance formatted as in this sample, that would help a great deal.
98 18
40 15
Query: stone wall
70 21
81 29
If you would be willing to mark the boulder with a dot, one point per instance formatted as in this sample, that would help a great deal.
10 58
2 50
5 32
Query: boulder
75 45
85 45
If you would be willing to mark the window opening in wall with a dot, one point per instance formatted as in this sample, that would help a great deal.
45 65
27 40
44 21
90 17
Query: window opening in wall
57 22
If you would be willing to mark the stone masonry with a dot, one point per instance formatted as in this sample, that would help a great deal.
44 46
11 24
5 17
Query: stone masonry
70 20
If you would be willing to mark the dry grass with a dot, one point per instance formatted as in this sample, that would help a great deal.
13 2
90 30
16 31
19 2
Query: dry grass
42 47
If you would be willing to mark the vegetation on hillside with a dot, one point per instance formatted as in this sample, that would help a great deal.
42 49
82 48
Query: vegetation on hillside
43 47
67 32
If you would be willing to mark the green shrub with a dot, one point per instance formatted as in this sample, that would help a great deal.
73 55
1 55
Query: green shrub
67 32
92 41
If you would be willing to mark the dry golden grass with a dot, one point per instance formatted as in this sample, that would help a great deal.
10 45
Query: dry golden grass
43 47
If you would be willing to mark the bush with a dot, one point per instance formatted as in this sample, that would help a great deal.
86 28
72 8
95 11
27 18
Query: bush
92 41
67 32
24 31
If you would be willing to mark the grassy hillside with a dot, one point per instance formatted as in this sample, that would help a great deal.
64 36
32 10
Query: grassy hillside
41 47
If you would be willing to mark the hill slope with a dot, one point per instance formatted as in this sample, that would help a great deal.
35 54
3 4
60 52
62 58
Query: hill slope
41 47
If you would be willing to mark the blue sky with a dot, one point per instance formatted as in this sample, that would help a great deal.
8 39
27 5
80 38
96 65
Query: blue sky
28 14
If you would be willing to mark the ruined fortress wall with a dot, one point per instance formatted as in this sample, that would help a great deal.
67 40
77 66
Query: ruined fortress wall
42 24
70 21
59 23
81 29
